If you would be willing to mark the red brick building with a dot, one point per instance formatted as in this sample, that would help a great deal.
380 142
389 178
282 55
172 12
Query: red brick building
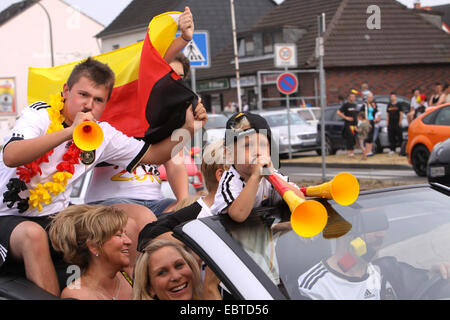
389 46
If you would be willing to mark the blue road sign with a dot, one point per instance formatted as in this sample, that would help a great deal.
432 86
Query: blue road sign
287 83
197 51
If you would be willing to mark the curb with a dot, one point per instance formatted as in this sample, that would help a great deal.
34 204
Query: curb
347 165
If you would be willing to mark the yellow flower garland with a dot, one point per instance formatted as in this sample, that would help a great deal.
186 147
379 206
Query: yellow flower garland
42 193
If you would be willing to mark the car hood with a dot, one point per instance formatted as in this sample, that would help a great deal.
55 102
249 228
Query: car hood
295 129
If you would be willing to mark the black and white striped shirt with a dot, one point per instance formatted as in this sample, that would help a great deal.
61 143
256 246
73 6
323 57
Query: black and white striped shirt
321 282
231 185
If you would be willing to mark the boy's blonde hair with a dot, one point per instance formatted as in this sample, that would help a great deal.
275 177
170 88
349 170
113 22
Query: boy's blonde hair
72 229
213 159
142 279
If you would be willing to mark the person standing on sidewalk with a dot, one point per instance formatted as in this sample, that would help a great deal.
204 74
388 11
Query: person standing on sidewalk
349 112
370 110
394 121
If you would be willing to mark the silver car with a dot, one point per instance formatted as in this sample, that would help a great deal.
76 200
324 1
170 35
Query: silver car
383 138
303 135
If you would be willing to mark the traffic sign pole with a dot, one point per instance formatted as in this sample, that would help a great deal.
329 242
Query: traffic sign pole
320 53
289 122
287 83
193 83
197 52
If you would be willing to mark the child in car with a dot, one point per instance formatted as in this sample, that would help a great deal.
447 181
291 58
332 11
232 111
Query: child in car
248 150
248 142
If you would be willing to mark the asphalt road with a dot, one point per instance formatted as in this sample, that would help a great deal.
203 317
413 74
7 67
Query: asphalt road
302 172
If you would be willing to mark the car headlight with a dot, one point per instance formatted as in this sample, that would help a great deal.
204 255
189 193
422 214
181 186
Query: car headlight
284 139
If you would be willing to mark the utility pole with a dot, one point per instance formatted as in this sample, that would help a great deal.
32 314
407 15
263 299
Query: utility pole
320 53
50 31
236 58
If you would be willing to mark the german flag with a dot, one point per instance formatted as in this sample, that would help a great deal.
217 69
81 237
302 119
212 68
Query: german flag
148 100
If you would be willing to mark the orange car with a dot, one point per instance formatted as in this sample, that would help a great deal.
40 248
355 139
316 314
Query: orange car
424 132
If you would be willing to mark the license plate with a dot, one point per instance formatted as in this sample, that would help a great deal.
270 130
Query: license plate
437 172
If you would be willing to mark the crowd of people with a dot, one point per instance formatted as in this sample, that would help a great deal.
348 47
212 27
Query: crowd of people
362 124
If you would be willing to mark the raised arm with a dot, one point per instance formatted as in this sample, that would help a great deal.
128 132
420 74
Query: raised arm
186 25
162 151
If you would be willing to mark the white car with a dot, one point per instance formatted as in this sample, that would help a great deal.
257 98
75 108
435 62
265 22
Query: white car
310 114
303 135
214 127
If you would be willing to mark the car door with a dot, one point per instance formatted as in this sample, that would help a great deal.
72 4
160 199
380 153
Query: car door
440 128
335 127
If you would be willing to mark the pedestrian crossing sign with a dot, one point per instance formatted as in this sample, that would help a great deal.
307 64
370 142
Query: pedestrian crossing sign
197 50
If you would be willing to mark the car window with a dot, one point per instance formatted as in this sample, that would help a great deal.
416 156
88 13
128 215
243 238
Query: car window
306 114
280 119
443 117
329 114
407 232
316 113
430 118
337 117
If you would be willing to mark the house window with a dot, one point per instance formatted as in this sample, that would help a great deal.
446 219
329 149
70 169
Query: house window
246 47
241 47
249 46
277 37
268 42
269 39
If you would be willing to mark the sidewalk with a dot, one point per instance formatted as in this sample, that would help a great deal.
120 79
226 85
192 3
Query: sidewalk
341 160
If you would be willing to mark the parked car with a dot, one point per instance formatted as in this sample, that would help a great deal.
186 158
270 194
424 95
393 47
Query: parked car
334 131
214 128
424 133
383 138
303 135
310 114
405 103
438 168
334 128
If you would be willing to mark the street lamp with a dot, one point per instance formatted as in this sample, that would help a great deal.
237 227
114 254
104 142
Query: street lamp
50 31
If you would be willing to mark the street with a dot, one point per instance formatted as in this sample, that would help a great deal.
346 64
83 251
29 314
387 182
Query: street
302 172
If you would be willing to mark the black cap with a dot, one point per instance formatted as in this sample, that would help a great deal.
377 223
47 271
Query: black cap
257 124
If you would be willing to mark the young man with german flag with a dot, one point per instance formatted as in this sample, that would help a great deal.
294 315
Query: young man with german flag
40 163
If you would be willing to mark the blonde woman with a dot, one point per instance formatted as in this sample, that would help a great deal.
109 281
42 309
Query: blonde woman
166 271
93 238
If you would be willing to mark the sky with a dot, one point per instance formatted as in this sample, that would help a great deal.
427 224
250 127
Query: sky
104 11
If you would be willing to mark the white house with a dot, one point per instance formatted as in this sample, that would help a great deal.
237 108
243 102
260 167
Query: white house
26 42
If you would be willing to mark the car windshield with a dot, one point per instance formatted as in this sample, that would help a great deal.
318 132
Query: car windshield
305 114
217 121
316 112
407 230
281 119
